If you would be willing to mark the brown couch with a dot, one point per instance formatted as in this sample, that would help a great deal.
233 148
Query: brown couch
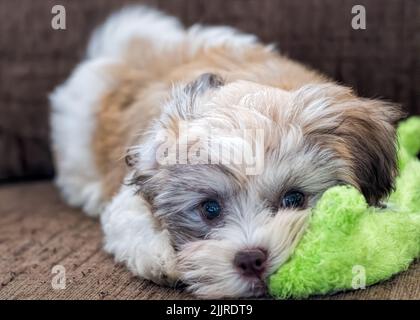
38 231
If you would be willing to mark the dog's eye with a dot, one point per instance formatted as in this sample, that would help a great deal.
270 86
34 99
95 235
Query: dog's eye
293 199
211 209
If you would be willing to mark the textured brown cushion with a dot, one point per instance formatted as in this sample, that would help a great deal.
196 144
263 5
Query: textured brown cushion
381 61
38 231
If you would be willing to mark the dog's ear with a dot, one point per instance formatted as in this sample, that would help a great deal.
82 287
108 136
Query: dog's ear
185 103
368 129
362 132
203 83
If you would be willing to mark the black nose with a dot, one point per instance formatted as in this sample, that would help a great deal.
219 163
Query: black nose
251 263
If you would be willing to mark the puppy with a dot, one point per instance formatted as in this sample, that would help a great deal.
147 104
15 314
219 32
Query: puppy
203 150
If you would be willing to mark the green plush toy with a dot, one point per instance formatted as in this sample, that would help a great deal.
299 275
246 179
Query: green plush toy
348 242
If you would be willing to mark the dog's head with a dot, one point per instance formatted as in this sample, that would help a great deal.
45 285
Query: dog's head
232 170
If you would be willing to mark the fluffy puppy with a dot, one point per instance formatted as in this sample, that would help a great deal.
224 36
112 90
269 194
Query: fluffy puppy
227 145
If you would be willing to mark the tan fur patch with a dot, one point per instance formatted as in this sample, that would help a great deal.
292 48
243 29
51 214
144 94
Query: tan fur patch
144 81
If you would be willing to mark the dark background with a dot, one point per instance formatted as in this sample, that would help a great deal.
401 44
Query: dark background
382 61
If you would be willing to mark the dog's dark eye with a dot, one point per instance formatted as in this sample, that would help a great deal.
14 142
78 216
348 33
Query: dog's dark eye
293 199
211 209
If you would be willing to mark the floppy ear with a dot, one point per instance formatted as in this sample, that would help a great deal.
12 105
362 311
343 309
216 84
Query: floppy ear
185 102
203 83
361 131
368 129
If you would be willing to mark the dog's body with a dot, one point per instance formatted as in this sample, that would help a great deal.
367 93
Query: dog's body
144 74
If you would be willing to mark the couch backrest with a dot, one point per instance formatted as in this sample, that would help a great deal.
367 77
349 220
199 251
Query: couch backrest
381 61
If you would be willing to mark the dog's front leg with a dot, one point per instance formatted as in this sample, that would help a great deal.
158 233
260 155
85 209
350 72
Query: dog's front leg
133 237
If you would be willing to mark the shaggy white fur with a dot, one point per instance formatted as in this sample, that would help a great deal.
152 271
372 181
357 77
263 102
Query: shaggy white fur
73 106
132 236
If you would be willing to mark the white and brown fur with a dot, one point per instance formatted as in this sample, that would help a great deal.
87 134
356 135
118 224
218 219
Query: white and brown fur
144 73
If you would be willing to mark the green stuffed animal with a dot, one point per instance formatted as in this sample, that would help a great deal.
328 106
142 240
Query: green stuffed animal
349 244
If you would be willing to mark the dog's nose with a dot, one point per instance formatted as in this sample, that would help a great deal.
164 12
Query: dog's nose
251 262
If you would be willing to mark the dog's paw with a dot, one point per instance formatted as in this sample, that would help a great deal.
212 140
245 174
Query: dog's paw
133 237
